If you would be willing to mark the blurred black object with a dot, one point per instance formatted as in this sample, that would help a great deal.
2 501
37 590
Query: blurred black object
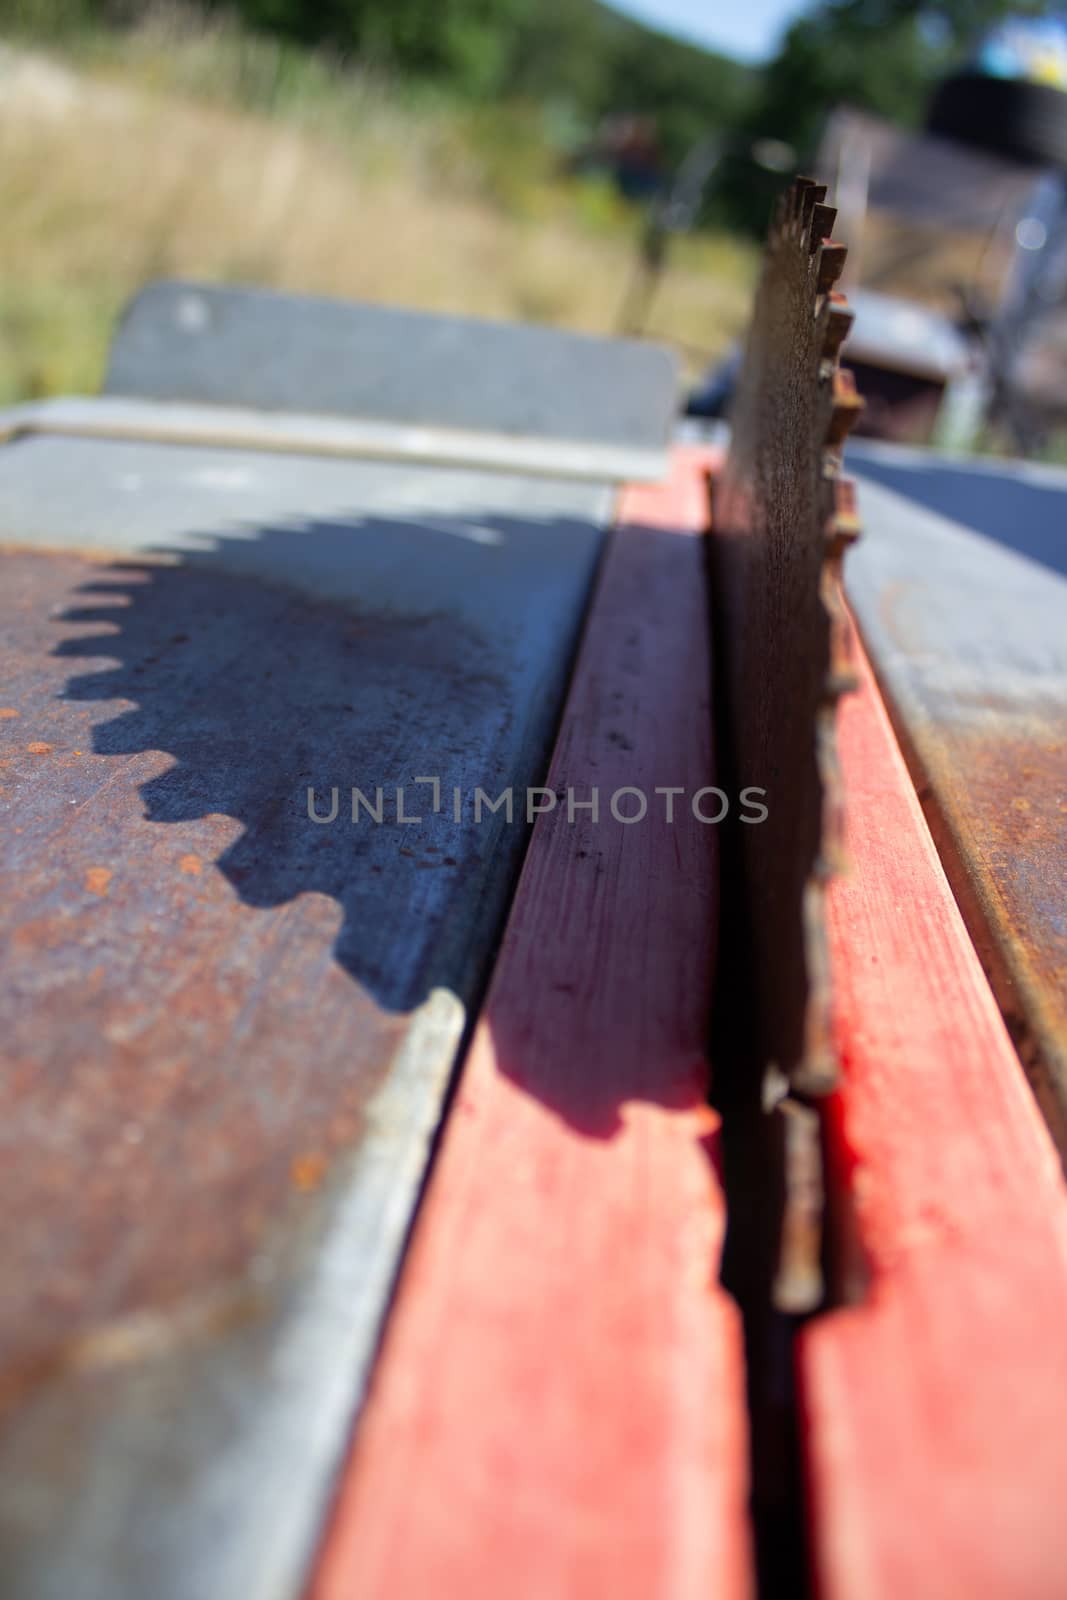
1012 117
712 395
992 164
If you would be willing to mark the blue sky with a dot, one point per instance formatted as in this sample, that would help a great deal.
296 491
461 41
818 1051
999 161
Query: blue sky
748 29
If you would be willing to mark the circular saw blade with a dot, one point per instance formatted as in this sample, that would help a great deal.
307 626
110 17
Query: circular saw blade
783 515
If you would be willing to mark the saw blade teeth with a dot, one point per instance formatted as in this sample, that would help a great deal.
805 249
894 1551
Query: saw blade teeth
839 319
845 507
845 408
807 208
807 192
844 525
822 222
792 383
802 197
841 676
786 515
811 200
800 213
831 260
798 1284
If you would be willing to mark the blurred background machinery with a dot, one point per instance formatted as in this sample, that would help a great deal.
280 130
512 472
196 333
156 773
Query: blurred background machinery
958 249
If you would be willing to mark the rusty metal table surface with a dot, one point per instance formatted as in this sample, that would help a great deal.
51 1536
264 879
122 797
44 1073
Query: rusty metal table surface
227 1031
960 588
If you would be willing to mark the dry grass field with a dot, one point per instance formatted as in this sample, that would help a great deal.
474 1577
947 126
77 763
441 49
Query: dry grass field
179 151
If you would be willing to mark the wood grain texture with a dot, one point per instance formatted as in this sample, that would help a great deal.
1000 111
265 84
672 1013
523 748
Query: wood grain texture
558 1408
935 1408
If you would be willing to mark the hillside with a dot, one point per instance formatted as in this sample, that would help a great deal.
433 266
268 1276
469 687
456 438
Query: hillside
580 58
187 146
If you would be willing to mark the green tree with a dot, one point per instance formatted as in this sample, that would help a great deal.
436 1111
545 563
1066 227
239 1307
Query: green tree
882 55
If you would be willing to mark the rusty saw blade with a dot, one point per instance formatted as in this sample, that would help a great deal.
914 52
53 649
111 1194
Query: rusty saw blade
783 515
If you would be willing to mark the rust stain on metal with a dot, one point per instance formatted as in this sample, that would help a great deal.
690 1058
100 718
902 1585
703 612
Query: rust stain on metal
187 1017
218 1090
307 1171
996 801
184 1073
7 712
144 1335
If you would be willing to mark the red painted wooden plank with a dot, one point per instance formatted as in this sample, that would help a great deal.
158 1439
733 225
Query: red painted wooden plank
935 1425
558 1409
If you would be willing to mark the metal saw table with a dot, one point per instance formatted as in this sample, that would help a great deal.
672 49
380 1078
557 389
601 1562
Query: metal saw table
362 1201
